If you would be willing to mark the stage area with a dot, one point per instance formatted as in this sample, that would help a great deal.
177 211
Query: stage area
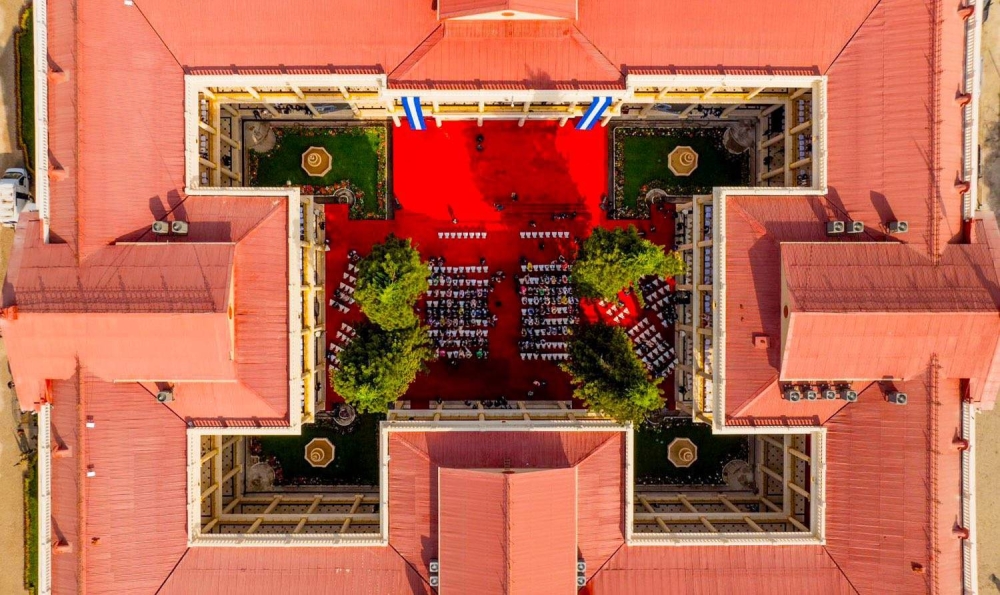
454 189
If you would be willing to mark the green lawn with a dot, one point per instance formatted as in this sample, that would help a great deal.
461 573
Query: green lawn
355 459
653 468
359 156
641 160
31 525
25 40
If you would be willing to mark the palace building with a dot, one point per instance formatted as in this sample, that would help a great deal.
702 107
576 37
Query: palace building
209 173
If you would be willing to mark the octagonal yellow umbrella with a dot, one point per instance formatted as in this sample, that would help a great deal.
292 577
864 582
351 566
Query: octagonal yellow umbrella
682 452
316 162
682 161
319 452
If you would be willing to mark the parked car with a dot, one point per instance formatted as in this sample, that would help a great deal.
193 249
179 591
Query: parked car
15 195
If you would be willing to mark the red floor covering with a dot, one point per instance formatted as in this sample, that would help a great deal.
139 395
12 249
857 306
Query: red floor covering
438 176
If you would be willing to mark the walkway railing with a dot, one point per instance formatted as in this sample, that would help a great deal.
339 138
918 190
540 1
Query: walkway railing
45 498
41 67
970 112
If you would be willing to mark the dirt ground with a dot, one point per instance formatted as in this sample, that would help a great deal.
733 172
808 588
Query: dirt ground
988 424
11 470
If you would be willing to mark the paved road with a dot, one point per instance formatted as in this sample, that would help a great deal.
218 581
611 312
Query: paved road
11 490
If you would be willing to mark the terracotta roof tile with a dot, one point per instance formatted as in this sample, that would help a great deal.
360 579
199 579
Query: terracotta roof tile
564 9
503 532
527 54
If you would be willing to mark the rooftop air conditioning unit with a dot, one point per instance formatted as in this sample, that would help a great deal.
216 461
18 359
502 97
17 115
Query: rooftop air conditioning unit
581 567
434 567
581 581
849 395
829 394
834 227
179 228
793 395
161 228
855 227
165 396
811 395
899 227
434 581
897 397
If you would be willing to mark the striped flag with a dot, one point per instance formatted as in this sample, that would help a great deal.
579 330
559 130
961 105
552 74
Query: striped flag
414 114
593 114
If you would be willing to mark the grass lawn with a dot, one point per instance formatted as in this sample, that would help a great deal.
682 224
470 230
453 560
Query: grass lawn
355 454
359 156
31 525
641 160
653 468
25 41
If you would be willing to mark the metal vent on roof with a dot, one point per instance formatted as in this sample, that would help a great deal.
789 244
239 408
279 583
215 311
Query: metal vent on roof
849 395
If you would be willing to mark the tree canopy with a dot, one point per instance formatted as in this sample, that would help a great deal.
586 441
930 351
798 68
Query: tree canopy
390 281
608 375
379 365
611 260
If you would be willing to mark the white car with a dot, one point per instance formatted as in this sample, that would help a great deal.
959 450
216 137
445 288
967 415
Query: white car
15 195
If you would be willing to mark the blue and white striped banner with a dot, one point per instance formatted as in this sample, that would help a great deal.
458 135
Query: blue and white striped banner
414 114
593 114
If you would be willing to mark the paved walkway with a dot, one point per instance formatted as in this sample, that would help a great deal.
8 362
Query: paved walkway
11 487
988 424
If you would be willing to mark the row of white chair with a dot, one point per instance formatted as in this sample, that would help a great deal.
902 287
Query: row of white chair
482 270
461 235
543 235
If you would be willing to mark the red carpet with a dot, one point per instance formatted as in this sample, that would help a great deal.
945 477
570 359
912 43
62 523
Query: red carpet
438 176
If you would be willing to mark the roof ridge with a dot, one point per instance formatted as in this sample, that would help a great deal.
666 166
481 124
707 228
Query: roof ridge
418 53
853 35
604 443
158 36
591 48
422 453
843 573
259 224
173 569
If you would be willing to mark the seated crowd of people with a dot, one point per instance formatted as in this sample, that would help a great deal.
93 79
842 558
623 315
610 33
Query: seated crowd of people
548 310
457 309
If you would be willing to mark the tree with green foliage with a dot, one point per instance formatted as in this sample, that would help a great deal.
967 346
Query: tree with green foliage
608 375
611 260
379 365
390 281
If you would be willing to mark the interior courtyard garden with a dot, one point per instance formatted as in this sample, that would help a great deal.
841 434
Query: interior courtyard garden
351 162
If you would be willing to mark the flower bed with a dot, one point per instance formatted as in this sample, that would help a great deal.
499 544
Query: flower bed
359 165
640 165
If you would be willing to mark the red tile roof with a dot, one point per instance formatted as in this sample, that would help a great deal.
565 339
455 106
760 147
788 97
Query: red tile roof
507 532
894 151
158 312
563 9
266 571
891 502
506 54
870 311
413 491
723 36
